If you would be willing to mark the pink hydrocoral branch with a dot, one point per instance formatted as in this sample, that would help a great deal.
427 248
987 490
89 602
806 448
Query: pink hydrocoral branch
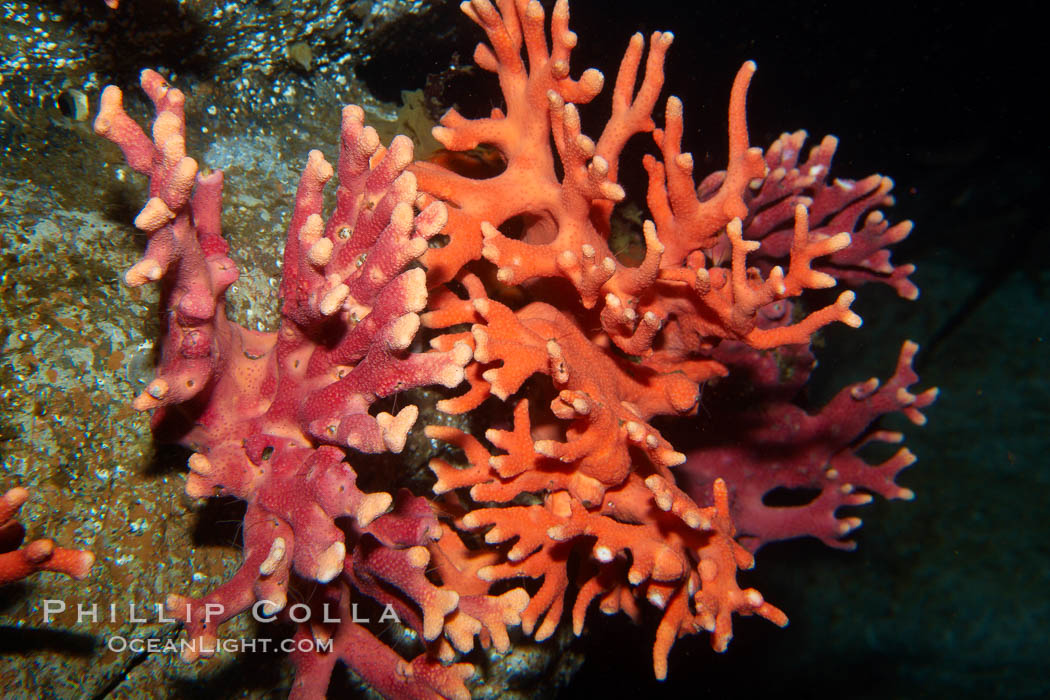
385 671
773 444
270 416
834 206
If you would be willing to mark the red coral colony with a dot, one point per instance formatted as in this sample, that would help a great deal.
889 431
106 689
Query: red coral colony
563 494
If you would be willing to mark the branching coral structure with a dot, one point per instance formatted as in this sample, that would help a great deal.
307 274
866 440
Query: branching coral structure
565 491
585 476
17 561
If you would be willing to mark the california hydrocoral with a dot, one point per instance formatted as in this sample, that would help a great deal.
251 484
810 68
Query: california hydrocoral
568 491
269 415
593 479
17 562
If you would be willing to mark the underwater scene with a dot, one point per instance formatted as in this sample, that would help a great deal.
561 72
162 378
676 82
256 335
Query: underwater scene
522 349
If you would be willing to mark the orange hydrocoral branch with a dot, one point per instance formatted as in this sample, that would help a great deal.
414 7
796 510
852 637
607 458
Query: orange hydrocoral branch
672 303
17 561
583 471
681 557
738 299
684 221
570 237
608 402
521 138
